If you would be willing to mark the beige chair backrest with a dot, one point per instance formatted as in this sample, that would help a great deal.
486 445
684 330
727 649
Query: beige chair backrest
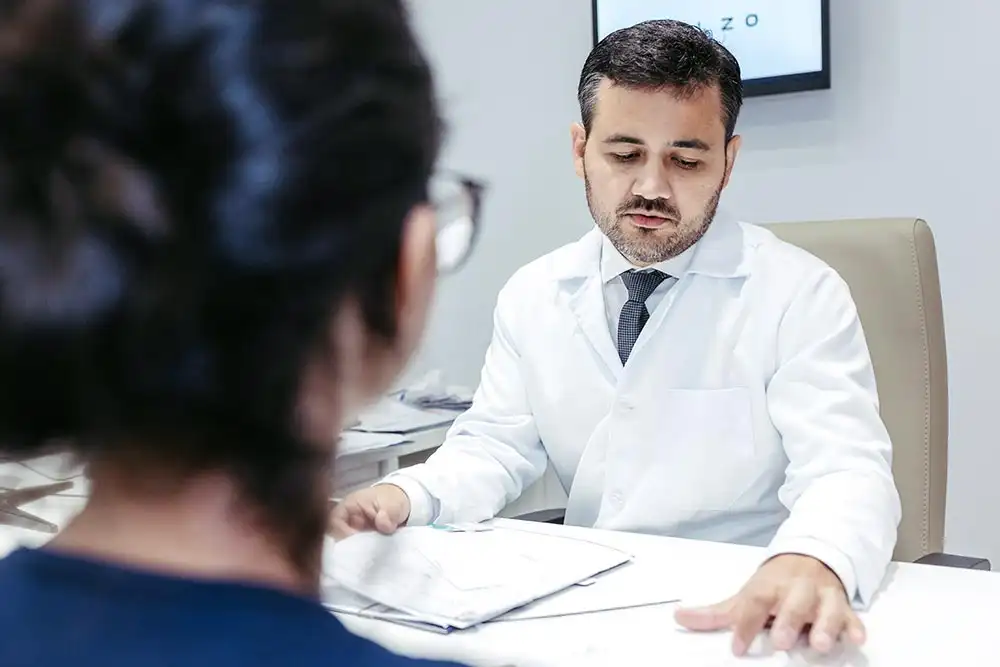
891 268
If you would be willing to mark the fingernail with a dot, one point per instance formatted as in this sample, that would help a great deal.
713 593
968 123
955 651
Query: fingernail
739 648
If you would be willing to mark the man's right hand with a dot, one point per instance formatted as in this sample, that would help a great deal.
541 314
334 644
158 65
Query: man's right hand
383 507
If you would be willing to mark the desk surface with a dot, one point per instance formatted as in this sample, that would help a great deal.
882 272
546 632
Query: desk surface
60 508
419 441
923 616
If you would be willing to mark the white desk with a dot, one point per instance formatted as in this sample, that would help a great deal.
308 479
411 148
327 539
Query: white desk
924 616
360 469
351 472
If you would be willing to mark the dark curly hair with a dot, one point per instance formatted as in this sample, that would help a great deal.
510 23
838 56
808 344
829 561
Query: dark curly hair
188 189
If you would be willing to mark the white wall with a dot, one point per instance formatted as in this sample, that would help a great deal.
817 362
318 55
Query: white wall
909 128
509 90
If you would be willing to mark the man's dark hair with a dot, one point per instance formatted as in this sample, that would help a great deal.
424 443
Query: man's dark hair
189 191
662 54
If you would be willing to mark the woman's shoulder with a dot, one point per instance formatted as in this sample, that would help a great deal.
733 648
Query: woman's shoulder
105 612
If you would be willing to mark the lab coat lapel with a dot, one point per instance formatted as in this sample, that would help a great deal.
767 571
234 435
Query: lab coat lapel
720 253
580 276
587 304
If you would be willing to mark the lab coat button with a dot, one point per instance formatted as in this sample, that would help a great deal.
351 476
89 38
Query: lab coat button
617 498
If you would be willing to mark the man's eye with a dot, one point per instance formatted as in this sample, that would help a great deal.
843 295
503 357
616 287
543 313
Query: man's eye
625 157
685 164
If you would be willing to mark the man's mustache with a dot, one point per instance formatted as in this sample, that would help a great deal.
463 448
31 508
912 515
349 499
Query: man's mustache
660 206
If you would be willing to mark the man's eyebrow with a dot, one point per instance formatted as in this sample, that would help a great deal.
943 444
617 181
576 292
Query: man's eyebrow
693 144
623 139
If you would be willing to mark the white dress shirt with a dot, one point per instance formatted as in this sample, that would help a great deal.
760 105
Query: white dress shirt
614 264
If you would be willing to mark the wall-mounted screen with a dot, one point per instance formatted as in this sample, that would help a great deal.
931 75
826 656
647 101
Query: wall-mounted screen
782 45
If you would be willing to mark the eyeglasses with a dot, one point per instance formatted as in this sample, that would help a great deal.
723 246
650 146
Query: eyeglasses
457 202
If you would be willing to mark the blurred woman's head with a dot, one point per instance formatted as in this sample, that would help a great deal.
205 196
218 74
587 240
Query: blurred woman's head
215 241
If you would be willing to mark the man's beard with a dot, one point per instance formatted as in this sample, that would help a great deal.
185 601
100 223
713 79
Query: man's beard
645 246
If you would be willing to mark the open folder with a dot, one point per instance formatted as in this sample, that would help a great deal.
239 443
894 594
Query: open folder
454 577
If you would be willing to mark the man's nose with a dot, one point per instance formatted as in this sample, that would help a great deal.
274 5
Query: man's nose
653 183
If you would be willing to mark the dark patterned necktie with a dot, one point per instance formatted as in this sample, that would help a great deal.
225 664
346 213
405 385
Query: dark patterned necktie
634 315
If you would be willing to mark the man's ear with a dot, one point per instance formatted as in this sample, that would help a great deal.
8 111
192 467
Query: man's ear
578 135
732 150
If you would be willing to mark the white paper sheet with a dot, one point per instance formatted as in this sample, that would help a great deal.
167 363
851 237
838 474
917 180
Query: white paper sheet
639 583
461 579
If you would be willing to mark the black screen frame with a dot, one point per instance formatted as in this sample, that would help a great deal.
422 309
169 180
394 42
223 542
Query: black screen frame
773 85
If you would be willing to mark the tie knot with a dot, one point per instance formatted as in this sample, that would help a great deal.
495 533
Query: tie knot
640 284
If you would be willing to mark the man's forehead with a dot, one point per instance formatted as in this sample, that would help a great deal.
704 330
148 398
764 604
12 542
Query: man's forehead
664 114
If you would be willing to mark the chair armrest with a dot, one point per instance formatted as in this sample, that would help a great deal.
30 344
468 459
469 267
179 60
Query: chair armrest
544 516
951 560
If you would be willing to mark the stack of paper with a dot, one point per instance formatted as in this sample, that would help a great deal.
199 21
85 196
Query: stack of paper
390 415
432 393
456 578
437 402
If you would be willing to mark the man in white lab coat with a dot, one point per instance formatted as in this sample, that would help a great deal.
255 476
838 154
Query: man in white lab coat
684 374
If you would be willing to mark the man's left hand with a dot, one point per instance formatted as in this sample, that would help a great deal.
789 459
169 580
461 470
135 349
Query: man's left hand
792 593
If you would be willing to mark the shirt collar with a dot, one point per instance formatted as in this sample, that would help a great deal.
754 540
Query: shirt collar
613 263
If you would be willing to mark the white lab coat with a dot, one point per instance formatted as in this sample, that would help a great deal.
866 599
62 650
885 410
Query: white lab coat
747 412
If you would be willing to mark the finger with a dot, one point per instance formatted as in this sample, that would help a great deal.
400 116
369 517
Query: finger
361 515
337 520
854 630
338 512
340 529
369 509
358 521
753 609
384 523
705 619
798 608
831 620
351 513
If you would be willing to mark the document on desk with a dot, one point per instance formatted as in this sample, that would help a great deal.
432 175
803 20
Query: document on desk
340 600
390 415
458 578
639 583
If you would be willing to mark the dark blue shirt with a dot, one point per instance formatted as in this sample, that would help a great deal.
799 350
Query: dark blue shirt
57 610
